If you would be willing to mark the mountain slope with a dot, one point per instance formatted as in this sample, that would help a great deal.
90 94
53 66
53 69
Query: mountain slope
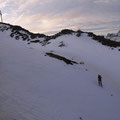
34 86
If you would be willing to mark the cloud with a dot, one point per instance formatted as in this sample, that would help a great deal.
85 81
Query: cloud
53 15
106 1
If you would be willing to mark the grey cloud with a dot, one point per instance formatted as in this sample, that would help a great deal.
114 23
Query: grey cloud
37 14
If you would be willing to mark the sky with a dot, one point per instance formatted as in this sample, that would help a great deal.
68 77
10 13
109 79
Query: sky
51 16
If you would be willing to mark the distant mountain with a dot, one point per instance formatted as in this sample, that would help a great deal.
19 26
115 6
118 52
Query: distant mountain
114 36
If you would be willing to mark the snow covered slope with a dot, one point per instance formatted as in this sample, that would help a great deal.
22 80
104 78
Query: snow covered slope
35 86
113 36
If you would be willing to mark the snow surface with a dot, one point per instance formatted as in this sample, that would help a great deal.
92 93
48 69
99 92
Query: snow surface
37 87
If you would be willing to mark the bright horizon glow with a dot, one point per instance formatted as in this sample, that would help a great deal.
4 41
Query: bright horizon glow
50 16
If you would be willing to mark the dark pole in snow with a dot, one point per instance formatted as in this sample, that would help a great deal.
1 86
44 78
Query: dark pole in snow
1 16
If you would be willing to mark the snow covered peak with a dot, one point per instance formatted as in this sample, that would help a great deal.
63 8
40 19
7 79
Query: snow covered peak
114 36
4 27
118 33
20 33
